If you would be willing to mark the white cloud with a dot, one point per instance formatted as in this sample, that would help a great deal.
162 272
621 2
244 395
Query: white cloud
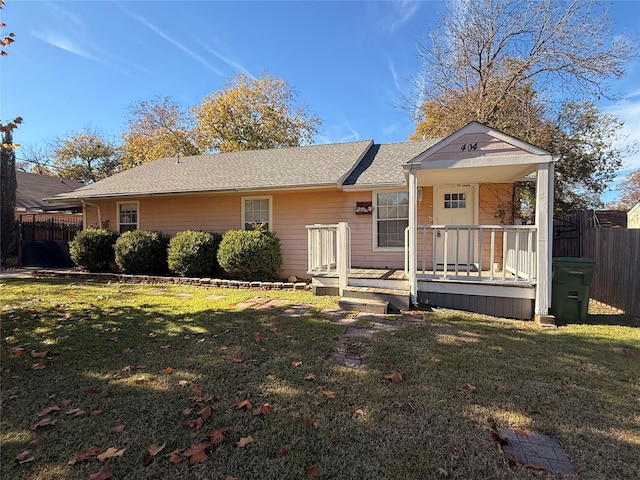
402 12
63 42
235 66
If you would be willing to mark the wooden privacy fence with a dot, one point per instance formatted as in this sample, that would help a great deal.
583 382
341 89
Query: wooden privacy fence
616 252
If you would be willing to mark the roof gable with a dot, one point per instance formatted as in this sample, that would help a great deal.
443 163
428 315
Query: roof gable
31 188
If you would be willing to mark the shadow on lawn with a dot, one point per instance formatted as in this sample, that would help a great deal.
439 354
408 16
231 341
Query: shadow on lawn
580 388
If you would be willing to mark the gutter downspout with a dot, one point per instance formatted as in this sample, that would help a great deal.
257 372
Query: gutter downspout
84 214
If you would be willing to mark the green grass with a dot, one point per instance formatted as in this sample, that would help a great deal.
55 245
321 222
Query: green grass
139 355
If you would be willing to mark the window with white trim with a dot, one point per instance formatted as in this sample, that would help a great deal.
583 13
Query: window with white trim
392 218
455 200
256 213
127 216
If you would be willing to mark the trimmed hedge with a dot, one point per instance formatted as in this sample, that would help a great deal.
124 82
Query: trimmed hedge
250 255
142 252
193 253
93 249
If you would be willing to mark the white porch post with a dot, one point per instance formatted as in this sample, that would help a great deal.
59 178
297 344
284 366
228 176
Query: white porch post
413 229
342 256
544 224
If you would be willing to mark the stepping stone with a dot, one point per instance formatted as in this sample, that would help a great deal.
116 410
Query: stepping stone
214 297
337 314
296 311
184 295
345 360
353 331
156 292
271 304
537 449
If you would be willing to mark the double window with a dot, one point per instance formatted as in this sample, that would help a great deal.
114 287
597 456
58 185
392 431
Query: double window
127 216
392 218
256 213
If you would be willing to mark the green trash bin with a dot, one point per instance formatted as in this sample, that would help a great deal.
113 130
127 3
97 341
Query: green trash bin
571 279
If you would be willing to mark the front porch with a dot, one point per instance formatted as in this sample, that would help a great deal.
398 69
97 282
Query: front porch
501 281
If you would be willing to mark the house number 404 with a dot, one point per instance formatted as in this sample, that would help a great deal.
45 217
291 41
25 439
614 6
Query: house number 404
469 146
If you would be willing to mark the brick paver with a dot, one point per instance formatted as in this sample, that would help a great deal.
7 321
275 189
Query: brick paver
537 449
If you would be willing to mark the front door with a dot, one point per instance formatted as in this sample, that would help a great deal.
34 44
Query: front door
454 205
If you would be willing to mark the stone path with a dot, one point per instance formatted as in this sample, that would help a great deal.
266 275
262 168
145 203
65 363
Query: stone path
535 450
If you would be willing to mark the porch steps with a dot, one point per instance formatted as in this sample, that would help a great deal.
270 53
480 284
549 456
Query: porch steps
374 297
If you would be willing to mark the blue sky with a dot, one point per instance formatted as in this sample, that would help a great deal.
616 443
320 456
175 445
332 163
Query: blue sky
76 64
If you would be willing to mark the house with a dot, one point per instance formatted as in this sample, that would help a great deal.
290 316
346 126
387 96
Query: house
31 188
423 221
633 216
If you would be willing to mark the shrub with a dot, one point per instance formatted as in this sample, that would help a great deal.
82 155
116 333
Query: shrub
194 253
93 249
250 255
140 251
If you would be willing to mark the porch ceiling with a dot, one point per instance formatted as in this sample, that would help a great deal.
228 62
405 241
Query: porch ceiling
485 174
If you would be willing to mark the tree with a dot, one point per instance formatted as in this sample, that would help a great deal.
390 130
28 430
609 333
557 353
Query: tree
157 128
35 158
5 41
504 62
8 185
85 156
629 190
253 114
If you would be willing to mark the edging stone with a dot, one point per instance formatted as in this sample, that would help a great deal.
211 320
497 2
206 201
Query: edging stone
158 279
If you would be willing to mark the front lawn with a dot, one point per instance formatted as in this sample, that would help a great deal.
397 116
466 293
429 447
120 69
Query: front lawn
98 377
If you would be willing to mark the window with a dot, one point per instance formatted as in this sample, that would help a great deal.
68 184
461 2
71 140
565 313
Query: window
392 218
127 216
256 213
455 200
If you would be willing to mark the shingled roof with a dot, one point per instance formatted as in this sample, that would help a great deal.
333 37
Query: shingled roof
31 188
355 164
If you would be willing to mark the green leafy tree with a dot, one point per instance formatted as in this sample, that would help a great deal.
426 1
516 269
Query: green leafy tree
498 61
156 129
8 185
85 156
253 114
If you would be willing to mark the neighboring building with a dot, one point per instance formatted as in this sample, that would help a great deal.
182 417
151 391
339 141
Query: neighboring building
441 211
33 187
633 216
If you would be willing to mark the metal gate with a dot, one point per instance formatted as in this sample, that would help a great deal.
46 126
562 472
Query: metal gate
567 238
44 242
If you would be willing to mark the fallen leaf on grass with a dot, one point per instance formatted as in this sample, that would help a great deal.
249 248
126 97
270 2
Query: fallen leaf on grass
297 363
195 424
520 432
244 441
237 360
329 394
41 354
48 410
154 449
217 436
183 383
310 422
468 389
86 454
37 441
196 453
313 472
168 370
110 452
101 475
311 376
627 352
96 412
394 377
25 457
187 411
17 351
358 413
284 452
264 409
45 422
152 335
76 412
206 412
443 472
118 428
126 368
38 366
244 404
175 456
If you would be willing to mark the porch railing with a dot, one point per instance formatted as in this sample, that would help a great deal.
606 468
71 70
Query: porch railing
323 248
505 253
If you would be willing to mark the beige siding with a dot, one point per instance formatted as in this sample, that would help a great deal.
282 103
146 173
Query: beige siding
485 145
291 212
